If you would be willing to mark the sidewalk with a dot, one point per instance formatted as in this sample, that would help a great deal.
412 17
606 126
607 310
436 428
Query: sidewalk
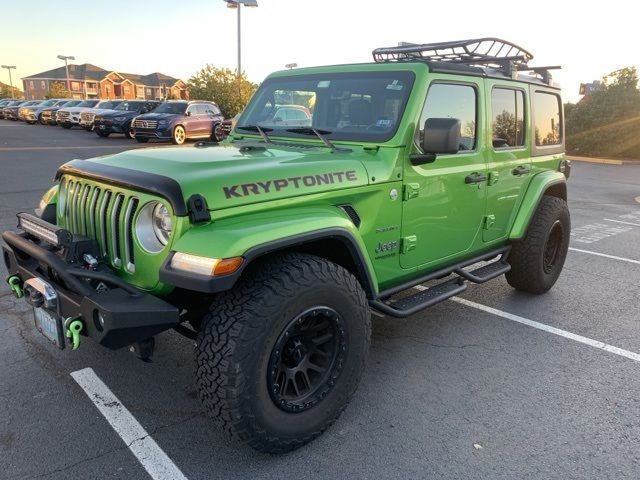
608 161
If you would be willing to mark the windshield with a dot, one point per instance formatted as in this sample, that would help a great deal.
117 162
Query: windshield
359 106
60 103
107 105
47 103
172 107
87 103
128 107
72 103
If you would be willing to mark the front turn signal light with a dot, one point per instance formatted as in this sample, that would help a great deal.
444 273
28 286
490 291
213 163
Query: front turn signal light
205 265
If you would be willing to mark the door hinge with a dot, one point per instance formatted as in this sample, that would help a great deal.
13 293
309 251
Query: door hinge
410 190
493 178
489 221
408 243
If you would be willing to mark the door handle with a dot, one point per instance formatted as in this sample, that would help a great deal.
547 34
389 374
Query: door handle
475 178
520 170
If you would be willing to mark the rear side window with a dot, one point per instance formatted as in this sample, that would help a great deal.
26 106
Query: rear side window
452 101
547 119
507 117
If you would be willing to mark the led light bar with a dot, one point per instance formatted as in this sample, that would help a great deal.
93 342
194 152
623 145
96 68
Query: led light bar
41 229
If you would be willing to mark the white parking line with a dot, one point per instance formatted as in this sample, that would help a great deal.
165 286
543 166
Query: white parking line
556 331
547 328
157 464
620 221
613 257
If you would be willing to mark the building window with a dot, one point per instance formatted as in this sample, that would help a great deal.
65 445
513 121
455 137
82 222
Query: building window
126 89
546 109
43 85
507 123
75 86
31 87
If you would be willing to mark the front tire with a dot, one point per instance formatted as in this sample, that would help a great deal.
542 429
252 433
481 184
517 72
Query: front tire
141 139
280 356
102 134
179 135
537 260
41 120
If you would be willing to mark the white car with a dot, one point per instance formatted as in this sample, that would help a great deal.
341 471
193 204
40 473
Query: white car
69 117
88 114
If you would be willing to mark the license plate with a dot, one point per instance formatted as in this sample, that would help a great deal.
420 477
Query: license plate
50 325
102 127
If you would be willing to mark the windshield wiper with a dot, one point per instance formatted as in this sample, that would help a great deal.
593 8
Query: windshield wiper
320 134
261 130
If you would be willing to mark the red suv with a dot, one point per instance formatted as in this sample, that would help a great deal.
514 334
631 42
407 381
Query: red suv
178 121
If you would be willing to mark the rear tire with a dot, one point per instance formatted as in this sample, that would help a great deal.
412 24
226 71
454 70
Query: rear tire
537 260
279 357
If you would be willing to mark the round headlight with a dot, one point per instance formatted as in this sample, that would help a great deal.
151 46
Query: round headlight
153 227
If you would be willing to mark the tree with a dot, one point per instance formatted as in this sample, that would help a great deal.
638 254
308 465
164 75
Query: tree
607 122
6 92
57 90
220 85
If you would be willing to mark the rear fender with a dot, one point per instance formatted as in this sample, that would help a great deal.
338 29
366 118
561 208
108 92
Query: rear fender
545 183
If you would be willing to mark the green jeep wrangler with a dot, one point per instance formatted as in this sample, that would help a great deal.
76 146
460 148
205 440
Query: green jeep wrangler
435 162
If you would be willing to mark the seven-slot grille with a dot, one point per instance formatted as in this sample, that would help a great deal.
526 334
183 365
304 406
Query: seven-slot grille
103 215
145 123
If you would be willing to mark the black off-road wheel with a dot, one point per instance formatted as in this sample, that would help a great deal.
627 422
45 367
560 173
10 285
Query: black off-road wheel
279 357
537 260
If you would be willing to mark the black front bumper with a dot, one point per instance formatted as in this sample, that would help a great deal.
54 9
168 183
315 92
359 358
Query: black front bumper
115 317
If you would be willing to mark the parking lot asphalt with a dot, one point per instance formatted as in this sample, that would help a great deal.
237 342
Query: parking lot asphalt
457 391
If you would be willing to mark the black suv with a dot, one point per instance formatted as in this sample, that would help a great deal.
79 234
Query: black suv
177 121
119 120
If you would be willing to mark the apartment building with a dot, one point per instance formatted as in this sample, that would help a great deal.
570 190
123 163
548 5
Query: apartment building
90 81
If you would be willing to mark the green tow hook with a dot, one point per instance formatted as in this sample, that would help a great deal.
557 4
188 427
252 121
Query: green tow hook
14 284
73 327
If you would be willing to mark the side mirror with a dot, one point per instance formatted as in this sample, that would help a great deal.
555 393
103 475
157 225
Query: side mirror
188 114
441 135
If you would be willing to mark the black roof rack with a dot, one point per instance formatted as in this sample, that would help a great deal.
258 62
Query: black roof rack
482 52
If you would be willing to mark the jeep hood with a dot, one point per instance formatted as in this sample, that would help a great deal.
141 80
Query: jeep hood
229 176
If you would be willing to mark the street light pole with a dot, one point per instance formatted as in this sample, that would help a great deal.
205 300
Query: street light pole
237 4
9 67
66 68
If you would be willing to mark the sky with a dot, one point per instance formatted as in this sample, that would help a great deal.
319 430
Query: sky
180 37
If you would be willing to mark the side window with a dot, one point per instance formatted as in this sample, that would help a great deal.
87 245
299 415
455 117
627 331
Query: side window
193 109
213 110
452 101
547 121
507 117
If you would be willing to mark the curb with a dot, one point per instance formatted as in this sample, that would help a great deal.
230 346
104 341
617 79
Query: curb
605 161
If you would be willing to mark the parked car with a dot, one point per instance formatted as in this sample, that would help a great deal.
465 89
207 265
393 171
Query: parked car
87 116
48 115
10 112
68 117
119 120
177 121
4 102
30 113
223 129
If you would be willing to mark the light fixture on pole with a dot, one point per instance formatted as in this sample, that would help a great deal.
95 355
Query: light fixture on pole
291 65
66 67
237 4
10 67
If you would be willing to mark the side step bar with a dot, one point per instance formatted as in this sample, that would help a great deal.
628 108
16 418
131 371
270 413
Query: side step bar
411 304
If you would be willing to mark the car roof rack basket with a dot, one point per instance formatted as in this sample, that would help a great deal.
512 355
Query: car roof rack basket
480 52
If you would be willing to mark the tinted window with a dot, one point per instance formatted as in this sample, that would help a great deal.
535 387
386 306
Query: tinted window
349 106
507 121
452 101
547 119
171 107
211 109
149 107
